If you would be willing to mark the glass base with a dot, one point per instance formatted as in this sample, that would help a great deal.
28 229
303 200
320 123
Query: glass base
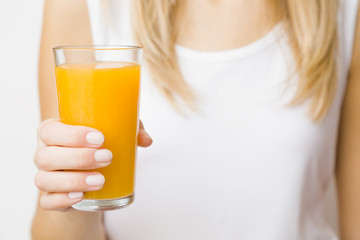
104 205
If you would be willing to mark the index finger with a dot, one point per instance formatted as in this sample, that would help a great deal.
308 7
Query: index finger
55 133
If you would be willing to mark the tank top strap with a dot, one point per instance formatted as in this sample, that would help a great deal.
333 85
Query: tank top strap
110 22
347 19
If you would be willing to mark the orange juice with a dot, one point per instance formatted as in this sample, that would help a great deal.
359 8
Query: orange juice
104 96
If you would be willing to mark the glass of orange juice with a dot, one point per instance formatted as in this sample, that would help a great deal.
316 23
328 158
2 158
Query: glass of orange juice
98 87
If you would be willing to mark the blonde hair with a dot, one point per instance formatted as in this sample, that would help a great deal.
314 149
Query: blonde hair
311 28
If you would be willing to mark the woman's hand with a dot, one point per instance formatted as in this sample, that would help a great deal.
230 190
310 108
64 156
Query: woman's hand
66 147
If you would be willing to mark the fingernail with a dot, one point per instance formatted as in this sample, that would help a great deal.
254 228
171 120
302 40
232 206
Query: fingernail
95 180
95 138
103 155
73 195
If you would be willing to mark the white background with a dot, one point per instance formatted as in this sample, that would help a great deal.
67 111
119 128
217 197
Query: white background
20 25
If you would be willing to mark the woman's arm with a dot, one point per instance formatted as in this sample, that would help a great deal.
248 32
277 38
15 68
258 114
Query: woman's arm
348 161
65 22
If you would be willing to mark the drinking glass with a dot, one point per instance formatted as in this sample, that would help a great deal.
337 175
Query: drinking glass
98 87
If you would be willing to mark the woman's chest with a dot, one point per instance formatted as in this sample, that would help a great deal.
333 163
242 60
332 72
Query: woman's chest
243 112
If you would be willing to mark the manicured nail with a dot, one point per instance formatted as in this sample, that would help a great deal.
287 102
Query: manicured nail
95 138
73 195
103 155
95 180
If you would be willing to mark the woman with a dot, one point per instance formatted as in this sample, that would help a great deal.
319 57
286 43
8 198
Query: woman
244 104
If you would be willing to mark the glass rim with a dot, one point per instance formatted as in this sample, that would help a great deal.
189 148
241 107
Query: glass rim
97 47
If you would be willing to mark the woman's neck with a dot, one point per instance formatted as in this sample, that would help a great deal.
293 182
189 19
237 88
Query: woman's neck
213 25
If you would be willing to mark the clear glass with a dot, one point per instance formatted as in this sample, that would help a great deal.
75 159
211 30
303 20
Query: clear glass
99 87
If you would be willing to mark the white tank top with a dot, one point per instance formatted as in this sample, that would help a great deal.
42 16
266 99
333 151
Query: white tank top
246 167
